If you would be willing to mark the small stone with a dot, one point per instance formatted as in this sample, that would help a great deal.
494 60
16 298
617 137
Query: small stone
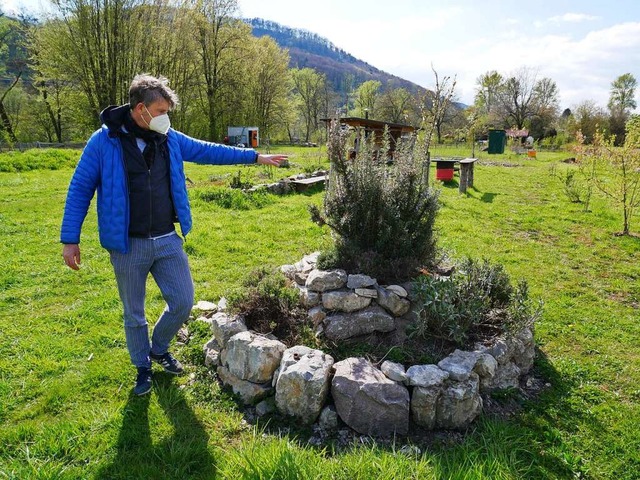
367 292
183 335
265 407
308 298
398 290
317 315
328 418
300 278
288 271
410 451
459 364
204 319
426 375
205 306
322 280
360 281
394 371
344 301
222 304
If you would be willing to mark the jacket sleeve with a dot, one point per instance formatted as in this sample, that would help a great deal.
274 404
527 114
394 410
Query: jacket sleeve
83 185
210 153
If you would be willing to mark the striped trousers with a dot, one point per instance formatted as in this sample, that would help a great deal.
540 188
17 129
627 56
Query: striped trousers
166 260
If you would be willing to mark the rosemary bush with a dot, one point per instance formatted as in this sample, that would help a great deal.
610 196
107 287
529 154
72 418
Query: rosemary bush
381 213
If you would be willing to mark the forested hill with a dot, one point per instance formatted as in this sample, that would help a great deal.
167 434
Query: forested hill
307 49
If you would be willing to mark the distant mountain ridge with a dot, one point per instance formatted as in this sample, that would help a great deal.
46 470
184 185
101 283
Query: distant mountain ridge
307 49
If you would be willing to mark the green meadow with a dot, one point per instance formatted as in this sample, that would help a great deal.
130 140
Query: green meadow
66 408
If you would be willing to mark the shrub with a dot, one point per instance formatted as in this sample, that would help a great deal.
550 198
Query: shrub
382 214
475 302
269 304
38 159
235 199
577 184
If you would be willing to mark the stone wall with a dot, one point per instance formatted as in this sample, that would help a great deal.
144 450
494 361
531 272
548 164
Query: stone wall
309 385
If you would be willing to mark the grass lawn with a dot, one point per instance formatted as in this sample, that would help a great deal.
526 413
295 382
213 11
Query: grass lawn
66 411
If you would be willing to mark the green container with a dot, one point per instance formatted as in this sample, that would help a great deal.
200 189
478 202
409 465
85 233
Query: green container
497 141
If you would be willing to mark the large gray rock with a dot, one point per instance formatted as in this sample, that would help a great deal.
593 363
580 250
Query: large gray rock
224 326
368 401
424 403
303 383
426 376
360 281
459 403
252 357
341 326
344 301
249 392
459 364
392 302
322 280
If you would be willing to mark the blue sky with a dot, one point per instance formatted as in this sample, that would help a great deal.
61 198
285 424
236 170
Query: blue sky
582 45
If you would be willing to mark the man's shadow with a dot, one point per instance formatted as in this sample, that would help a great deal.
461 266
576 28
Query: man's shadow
180 455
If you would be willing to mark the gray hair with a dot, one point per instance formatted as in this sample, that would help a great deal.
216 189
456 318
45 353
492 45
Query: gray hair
147 89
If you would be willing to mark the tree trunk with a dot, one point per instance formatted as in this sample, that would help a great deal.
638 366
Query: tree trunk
6 123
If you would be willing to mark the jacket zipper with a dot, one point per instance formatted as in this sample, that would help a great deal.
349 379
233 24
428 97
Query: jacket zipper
150 204
127 200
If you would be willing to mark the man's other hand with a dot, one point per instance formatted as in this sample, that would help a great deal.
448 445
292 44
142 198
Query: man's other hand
71 255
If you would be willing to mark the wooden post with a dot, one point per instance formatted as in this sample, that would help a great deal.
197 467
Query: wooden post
466 174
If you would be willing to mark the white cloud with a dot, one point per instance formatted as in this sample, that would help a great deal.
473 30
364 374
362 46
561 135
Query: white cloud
572 18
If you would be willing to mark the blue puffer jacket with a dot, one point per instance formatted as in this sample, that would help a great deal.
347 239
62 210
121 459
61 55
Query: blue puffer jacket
101 167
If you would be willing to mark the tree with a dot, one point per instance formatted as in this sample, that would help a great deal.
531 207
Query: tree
522 97
222 41
397 106
269 83
621 101
487 93
366 98
586 118
436 104
309 86
14 63
622 94
618 169
94 44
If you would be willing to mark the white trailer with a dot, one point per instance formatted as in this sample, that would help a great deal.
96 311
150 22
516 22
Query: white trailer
243 136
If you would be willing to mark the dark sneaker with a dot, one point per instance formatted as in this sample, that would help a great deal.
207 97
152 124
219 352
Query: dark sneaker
170 364
143 381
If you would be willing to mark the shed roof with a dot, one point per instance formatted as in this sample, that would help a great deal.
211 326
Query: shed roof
372 124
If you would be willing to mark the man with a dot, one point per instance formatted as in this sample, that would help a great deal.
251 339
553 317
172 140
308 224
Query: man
135 163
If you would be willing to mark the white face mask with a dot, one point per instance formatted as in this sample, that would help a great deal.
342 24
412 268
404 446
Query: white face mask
159 124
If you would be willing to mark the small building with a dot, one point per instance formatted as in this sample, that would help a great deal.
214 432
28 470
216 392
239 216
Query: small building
374 127
242 136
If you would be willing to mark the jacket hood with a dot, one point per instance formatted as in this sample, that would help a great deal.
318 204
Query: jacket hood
114 117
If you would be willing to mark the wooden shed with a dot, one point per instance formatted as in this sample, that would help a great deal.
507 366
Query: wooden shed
366 127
